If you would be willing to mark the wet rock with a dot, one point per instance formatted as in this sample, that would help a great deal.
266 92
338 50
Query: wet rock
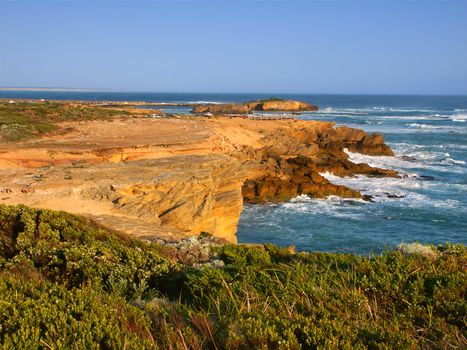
408 158
389 195
282 176
427 177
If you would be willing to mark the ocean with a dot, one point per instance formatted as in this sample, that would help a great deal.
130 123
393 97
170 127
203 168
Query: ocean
427 204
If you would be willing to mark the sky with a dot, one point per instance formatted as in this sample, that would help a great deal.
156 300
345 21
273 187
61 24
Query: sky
294 46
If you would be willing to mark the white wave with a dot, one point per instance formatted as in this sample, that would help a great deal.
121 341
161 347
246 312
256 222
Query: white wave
429 127
330 199
201 102
401 109
376 109
454 161
385 162
405 191
424 126
404 148
328 110
409 158
462 118
332 205
415 117
339 111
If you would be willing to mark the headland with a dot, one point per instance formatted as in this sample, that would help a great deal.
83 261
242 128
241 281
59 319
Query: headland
171 176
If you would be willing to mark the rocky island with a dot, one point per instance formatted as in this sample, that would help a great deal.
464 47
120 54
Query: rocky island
268 105
172 177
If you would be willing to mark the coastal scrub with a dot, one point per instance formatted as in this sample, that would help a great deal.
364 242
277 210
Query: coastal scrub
20 121
66 282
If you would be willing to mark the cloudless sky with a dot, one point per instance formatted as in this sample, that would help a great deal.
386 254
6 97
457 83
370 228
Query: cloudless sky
402 47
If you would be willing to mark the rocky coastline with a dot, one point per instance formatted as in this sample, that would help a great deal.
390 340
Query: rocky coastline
169 178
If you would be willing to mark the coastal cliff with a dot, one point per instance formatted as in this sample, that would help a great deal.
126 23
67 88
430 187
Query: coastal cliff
173 177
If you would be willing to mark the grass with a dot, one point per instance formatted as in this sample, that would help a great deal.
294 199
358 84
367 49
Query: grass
271 99
25 120
68 283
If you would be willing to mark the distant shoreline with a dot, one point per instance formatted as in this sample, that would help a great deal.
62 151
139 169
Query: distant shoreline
259 94
52 89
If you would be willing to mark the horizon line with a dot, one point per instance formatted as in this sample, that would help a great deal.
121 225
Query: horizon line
67 89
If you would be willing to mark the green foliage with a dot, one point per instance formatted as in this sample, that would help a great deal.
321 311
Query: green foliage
67 283
24 120
40 315
271 99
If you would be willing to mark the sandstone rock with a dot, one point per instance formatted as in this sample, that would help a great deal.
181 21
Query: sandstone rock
248 107
295 177
291 163
281 106
172 178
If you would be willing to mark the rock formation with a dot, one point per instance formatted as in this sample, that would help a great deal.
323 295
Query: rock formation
273 105
291 163
170 178
281 106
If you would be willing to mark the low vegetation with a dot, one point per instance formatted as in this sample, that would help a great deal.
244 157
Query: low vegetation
270 99
24 120
66 283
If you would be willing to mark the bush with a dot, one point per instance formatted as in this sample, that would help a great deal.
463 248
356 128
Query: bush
24 120
65 282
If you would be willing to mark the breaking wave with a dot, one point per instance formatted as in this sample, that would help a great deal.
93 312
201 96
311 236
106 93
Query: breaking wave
459 118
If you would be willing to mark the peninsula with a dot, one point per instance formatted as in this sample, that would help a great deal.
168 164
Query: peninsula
170 177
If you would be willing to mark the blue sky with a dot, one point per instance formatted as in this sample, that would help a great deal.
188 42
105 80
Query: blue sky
402 47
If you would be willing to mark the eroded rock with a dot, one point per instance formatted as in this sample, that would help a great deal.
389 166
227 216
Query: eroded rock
172 178
248 107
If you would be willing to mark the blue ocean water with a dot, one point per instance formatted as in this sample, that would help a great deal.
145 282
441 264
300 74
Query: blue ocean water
427 204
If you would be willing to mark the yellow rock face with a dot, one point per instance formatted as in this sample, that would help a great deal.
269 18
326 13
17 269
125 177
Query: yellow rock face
175 177
248 107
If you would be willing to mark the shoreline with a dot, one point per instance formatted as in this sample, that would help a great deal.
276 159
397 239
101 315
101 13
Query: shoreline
215 164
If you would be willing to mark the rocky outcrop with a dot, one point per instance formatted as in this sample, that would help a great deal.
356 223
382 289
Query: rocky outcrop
261 105
281 106
291 163
177 177
277 178
291 178
170 197
356 140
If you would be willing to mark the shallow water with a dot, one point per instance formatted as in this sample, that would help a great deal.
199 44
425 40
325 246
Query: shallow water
428 204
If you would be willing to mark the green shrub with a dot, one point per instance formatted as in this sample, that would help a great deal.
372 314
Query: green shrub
23 120
65 282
